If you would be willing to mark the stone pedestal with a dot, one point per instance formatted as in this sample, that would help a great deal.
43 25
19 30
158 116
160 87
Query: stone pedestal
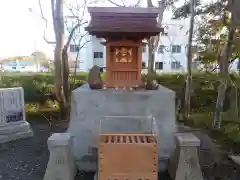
13 124
184 164
61 165
109 110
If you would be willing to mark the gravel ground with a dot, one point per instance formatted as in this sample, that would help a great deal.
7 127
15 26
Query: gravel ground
27 159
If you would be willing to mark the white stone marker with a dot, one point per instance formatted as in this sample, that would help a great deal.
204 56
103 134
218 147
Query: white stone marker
184 164
13 124
61 165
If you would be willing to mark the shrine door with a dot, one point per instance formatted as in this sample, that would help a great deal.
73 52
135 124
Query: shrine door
123 64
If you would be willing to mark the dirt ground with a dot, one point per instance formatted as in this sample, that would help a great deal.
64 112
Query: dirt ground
27 159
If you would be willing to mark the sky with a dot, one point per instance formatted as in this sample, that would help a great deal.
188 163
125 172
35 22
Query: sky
22 27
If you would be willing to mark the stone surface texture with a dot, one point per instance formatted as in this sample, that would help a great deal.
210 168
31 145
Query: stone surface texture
184 164
13 131
235 159
13 124
107 110
61 164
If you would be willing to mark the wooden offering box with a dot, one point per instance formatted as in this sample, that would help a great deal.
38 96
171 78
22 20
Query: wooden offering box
127 157
123 29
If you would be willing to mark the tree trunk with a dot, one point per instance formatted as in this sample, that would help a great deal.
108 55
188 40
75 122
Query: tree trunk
150 46
75 71
59 33
154 41
66 90
188 90
150 56
219 104
224 65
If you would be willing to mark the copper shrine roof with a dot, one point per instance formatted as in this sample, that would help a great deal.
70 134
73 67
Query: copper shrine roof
127 21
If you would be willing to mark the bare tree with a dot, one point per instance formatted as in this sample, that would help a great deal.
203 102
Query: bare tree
78 37
61 70
153 42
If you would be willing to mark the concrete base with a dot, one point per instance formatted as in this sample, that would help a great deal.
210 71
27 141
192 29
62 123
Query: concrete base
107 110
15 130
184 163
61 165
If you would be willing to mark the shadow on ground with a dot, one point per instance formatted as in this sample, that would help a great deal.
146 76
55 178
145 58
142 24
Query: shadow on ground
27 159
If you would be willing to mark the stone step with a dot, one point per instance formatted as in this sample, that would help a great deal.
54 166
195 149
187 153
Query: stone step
15 136
13 128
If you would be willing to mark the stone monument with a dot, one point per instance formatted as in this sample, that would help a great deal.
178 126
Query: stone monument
94 78
120 107
13 124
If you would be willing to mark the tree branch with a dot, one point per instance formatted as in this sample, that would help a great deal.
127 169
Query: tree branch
72 33
149 3
112 2
70 9
45 20
69 30
53 14
139 1
84 44
123 3
76 60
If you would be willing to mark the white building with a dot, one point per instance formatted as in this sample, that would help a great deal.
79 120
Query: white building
171 55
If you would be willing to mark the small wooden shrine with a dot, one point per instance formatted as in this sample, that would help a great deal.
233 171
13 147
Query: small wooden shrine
123 29
128 156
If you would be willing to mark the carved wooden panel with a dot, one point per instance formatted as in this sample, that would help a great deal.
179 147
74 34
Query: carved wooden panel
124 57
123 64
123 54
128 156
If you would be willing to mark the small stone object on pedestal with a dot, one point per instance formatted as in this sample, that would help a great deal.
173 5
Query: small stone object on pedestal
184 164
13 124
61 165
94 78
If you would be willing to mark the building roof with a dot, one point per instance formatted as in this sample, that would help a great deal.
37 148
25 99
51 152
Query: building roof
124 21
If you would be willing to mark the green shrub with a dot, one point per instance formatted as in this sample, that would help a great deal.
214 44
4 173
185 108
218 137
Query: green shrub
203 98
36 86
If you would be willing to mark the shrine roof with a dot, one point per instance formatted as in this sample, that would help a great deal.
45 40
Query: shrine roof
130 21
